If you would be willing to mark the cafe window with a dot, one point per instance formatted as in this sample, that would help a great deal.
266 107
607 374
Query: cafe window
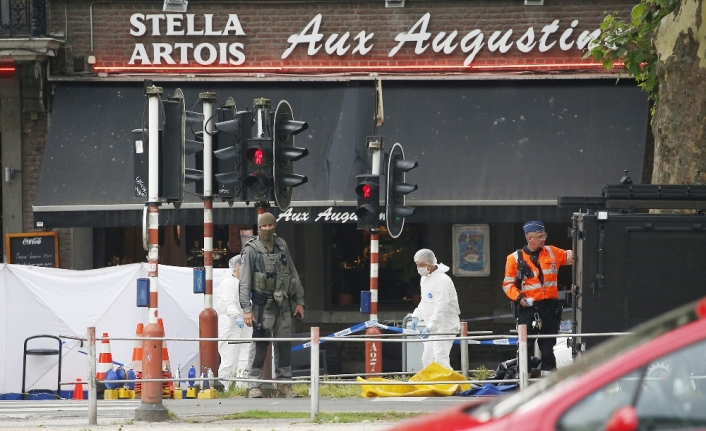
178 245
398 281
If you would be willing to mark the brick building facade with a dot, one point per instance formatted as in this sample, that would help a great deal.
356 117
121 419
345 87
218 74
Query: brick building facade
344 35
425 42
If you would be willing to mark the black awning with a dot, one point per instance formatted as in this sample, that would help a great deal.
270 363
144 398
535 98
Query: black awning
478 143
317 214
517 140
88 159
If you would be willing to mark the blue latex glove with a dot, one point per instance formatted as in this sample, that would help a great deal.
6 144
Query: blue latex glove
425 333
415 322
240 322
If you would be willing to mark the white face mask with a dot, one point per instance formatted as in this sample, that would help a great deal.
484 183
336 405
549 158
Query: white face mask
423 271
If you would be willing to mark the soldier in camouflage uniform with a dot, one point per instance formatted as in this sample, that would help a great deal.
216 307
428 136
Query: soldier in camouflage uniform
267 272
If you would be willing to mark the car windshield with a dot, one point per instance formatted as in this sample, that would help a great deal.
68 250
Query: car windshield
596 356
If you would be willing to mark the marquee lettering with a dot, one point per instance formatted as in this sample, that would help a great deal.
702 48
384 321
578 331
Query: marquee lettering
228 52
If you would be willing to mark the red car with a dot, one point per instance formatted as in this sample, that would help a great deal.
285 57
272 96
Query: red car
653 379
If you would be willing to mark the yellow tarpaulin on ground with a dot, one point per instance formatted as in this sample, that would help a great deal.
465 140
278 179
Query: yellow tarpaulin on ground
433 372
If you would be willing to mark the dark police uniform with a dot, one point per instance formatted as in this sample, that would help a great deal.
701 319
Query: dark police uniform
273 281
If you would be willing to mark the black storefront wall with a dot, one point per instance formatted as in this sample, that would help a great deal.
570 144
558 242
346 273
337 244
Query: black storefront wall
497 151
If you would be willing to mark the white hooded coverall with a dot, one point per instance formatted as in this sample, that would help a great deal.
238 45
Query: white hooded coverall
439 310
234 357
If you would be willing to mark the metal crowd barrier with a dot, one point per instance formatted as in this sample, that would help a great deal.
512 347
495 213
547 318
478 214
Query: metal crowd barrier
313 342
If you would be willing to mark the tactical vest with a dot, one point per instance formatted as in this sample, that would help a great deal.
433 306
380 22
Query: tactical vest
276 281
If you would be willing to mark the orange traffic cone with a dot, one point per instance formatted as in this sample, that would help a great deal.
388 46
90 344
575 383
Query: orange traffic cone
137 350
167 387
165 353
105 359
78 391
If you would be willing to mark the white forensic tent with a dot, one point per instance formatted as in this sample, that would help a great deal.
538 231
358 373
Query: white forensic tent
60 302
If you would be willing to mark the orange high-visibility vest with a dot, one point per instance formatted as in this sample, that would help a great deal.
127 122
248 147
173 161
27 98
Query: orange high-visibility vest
550 259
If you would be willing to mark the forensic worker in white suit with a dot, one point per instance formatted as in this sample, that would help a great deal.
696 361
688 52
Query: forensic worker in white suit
234 356
438 308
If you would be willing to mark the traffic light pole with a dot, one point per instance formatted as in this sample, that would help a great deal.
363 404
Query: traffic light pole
151 408
261 106
208 318
373 349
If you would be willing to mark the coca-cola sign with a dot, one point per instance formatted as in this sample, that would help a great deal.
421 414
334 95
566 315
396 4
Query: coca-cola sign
33 249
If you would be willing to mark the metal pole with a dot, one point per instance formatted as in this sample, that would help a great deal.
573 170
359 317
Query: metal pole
522 352
92 393
151 408
262 106
373 349
374 248
464 350
208 318
314 390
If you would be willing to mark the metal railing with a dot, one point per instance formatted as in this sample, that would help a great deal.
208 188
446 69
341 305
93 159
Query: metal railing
315 379
23 18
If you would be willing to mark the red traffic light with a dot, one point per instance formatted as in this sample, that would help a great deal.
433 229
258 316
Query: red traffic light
259 156
366 189
368 211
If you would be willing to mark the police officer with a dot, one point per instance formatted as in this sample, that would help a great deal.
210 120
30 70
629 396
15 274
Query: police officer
531 280
267 272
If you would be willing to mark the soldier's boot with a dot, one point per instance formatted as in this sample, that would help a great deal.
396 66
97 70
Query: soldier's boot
255 393
286 391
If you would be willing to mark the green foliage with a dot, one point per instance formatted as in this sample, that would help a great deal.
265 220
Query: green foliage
482 373
233 392
367 417
330 390
341 417
631 42
266 414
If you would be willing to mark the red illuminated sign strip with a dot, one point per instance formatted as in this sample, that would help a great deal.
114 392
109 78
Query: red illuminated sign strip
411 68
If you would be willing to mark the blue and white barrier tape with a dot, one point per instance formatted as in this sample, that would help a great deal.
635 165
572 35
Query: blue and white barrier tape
360 326
342 333
86 353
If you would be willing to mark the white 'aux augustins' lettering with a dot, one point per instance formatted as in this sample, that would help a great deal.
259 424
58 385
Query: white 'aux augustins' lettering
473 41
203 53
290 215
310 35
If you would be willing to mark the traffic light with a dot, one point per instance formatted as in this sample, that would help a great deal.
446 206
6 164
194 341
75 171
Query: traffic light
368 211
174 147
397 189
258 182
231 171
285 154
230 130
